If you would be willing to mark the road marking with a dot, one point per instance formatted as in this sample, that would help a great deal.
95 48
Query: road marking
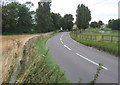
67 47
81 55
62 42
91 61
61 37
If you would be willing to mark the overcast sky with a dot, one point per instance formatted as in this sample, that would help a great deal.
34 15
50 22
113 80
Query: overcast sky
100 9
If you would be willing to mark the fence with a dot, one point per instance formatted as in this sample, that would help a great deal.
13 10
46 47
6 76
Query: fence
109 38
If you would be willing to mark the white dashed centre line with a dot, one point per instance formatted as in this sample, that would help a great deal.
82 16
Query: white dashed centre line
67 47
62 42
91 61
81 55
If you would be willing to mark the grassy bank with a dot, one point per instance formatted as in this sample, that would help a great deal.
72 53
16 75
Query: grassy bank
39 65
101 45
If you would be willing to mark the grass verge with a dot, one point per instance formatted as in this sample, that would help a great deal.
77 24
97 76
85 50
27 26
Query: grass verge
105 46
39 65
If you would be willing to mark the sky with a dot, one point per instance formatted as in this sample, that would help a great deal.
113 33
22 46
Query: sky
100 9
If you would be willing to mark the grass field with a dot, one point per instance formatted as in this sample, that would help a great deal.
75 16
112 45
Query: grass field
113 37
101 45
94 32
41 68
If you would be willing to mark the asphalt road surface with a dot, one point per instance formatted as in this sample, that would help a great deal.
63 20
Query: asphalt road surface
81 62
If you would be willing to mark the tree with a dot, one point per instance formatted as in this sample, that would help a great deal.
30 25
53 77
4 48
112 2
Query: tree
114 24
24 20
100 23
56 20
94 24
110 23
9 17
43 18
83 16
16 18
67 22
119 23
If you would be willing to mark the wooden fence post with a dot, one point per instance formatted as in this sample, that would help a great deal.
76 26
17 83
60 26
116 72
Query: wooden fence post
91 37
111 38
102 37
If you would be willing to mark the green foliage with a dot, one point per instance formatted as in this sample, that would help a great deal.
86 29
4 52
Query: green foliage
40 68
95 30
56 20
67 22
96 75
100 23
114 24
106 29
11 69
83 16
24 20
94 24
101 45
43 18
16 18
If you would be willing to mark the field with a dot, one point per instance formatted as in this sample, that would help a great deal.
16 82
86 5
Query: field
105 42
11 45
113 37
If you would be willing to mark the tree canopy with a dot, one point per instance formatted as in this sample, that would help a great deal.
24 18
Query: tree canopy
100 23
94 24
43 18
114 24
67 22
16 18
83 16
56 18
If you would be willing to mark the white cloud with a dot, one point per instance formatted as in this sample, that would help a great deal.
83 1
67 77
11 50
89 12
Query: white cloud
100 9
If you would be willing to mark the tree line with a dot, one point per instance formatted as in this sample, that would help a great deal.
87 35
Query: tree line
17 18
114 24
95 24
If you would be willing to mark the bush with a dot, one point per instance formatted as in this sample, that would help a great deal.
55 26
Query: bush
106 29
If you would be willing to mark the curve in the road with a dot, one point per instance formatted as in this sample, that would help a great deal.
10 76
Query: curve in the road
79 61
81 55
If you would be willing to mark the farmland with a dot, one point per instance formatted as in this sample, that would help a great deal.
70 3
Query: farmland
91 37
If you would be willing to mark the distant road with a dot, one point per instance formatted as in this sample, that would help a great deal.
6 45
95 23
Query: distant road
81 62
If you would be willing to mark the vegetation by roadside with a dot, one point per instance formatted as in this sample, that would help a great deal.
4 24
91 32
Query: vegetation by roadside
101 45
37 64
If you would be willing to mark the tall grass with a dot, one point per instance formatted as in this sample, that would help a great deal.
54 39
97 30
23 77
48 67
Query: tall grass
39 65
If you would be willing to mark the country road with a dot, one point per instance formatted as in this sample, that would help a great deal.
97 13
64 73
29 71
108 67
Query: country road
81 62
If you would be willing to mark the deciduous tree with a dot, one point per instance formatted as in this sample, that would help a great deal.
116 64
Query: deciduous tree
83 16
43 18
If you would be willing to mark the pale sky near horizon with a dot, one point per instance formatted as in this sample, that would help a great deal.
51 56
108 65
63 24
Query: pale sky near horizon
100 9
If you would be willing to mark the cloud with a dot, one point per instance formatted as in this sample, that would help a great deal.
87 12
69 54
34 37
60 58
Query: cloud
100 9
